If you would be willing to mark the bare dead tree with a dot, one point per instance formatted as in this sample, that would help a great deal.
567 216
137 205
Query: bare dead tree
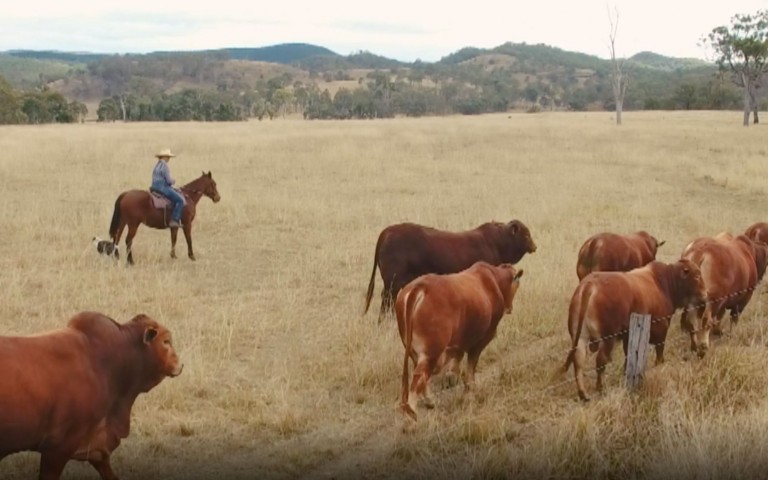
619 74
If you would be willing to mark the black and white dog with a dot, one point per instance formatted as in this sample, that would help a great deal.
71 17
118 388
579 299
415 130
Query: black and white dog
106 247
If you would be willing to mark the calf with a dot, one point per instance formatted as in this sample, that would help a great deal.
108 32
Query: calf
442 317
612 252
600 307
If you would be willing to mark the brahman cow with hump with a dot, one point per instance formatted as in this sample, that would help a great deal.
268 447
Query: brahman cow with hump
602 303
406 251
68 393
442 317
731 268
612 252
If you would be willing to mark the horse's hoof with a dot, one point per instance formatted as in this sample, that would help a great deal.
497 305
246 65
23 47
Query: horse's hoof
192 257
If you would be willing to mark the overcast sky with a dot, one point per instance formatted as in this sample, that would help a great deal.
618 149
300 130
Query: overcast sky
402 29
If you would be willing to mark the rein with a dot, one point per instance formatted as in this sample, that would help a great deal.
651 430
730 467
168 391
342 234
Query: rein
189 189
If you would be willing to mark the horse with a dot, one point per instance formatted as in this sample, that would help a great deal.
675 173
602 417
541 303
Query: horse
134 207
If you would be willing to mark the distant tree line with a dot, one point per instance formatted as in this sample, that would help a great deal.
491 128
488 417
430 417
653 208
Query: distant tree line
414 93
510 77
37 106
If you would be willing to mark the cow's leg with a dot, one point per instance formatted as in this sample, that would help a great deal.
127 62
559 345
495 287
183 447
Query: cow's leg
386 302
129 241
435 367
420 382
453 375
104 468
174 234
52 464
717 327
659 353
735 312
472 358
625 345
579 361
603 357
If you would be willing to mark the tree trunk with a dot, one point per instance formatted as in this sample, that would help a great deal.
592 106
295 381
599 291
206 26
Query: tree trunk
747 98
747 105
753 100
619 108
122 107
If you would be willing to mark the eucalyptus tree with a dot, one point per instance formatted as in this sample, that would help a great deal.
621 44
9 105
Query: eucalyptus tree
741 48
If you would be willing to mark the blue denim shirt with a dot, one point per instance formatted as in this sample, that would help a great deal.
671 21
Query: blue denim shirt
161 176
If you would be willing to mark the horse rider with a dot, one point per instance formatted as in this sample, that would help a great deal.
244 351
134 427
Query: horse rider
162 183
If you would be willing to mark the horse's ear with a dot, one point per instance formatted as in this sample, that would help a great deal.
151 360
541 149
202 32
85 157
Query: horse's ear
209 174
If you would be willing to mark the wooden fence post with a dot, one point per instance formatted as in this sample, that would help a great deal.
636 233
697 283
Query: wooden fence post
639 334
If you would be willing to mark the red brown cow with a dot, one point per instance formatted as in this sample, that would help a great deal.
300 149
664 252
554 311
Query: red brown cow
442 317
406 251
612 252
758 231
68 393
731 268
602 303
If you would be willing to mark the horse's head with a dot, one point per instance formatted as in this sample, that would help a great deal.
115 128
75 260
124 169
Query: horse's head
209 187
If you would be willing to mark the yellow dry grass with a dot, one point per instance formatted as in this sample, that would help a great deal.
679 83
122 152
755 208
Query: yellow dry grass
283 377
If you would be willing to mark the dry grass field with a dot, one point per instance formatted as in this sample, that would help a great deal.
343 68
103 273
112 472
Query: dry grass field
283 376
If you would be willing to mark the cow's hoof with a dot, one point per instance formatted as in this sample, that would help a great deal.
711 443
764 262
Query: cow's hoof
192 257
409 413
450 380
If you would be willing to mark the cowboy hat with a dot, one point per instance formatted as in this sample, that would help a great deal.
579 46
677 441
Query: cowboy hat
166 152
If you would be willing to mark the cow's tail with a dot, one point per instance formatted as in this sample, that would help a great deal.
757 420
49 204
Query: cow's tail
409 303
369 294
115 218
581 312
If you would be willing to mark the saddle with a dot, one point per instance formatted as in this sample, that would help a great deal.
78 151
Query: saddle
158 200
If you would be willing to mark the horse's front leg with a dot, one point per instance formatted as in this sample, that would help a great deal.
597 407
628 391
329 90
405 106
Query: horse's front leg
174 232
188 236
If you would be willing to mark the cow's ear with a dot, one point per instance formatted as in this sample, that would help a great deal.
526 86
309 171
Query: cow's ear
149 335
513 228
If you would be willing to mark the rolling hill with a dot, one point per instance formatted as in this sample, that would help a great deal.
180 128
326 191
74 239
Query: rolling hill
507 75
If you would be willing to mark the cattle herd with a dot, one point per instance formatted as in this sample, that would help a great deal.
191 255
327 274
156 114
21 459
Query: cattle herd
449 290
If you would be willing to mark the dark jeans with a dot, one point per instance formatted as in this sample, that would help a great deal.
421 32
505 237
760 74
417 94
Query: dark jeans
176 198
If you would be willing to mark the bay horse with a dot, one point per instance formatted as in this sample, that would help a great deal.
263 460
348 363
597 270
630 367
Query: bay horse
134 207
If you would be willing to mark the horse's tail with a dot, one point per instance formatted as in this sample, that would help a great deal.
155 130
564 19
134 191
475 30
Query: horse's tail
115 218
369 294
